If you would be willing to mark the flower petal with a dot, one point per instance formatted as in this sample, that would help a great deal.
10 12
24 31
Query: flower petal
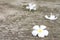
41 35
27 7
47 17
45 32
42 26
34 32
36 27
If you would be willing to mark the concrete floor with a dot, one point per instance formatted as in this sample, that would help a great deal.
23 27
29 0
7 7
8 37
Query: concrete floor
16 22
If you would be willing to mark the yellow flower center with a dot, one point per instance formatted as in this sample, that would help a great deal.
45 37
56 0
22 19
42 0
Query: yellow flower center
40 30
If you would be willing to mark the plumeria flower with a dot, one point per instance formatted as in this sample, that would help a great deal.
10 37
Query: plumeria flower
52 17
40 31
31 6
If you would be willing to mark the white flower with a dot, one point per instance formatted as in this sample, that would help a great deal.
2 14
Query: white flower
40 31
52 17
31 6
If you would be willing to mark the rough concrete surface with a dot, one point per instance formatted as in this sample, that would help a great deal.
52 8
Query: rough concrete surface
16 22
